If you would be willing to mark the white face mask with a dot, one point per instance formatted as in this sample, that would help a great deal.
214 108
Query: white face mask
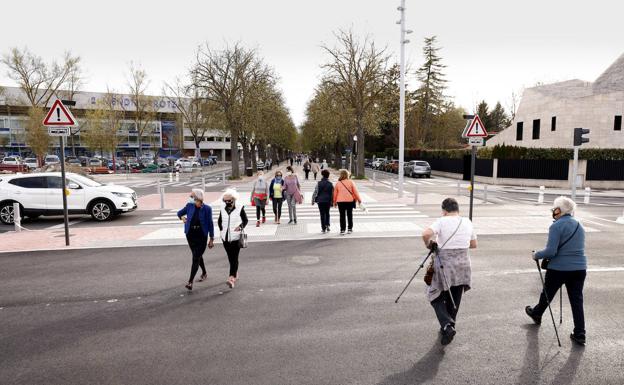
290 173
191 200
261 177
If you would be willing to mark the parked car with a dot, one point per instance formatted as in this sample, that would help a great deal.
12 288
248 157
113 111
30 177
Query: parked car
195 162
183 165
51 159
378 162
11 160
393 167
133 163
74 162
119 164
84 160
368 163
32 163
95 162
40 194
418 168
152 168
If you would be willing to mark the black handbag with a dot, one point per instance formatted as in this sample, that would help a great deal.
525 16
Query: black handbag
546 261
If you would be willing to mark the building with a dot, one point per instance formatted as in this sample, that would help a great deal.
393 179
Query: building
163 139
548 114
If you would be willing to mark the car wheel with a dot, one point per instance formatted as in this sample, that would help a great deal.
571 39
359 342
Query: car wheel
428 175
6 213
101 211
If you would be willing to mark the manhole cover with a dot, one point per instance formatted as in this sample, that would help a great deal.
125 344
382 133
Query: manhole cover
305 260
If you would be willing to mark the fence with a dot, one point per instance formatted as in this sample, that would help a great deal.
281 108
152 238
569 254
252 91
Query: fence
605 170
447 165
533 169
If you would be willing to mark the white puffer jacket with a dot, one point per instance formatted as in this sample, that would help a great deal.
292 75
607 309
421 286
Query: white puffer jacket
230 222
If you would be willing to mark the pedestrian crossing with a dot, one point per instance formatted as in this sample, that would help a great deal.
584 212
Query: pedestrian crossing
152 183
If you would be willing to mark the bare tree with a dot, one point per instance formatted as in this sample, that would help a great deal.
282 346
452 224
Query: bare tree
71 88
145 110
514 100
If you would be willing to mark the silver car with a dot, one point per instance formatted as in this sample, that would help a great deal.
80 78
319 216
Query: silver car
417 168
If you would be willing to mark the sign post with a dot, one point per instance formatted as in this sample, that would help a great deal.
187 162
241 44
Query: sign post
59 121
475 132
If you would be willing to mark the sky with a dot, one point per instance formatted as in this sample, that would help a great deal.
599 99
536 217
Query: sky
491 48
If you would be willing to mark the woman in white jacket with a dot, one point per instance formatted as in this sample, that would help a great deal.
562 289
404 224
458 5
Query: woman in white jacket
232 219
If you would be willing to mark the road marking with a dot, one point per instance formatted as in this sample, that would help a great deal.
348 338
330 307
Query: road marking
61 225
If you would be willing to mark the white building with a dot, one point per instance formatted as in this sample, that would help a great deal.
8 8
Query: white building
548 114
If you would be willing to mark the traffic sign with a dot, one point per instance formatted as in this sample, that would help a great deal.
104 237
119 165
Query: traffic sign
59 115
476 129
58 131
475 141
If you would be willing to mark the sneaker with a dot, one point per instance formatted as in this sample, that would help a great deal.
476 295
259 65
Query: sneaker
327 229
257 223
290 221
342 232
295 221
535 318
349 231
230 282
263 219
448 334
323 231
579 339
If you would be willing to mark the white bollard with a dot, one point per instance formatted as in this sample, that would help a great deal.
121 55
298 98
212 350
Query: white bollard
458 188
485 193
223 178
158 187
177 176
17 218
416 194
374 178
620 220
162 197
203 183
540 197
391 183
170 177
587 195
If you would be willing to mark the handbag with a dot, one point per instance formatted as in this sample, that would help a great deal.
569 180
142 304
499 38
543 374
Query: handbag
428 278
546 261
242 241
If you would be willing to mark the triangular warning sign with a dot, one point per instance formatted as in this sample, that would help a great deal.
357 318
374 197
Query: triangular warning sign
59 115
476 129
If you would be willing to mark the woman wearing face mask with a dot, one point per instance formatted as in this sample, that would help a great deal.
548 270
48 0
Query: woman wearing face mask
197 230
232 219
277 195
292 193
259 195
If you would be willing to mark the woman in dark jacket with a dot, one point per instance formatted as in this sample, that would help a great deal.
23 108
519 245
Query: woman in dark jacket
276 193
567 265
197 230
323 196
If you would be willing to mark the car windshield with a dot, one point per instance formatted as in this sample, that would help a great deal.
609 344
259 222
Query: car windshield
422 164
85 181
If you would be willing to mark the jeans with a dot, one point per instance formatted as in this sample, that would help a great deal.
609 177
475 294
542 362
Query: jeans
232 249
324 211
443 306
292 207
573 281
197 241
277 207
345 209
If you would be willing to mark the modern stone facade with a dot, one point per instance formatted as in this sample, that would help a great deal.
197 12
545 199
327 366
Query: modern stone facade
548 114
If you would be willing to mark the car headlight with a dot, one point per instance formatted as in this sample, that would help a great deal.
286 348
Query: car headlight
123 195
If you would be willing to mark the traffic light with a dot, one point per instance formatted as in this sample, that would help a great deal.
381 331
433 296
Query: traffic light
578 136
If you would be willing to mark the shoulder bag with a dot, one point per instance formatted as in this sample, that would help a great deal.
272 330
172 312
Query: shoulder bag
546 261
430 270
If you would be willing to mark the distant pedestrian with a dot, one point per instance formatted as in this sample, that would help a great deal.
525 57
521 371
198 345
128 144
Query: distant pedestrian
306 168
197 229
323 196
291 162
276 193
452 235
259 197
346 196
315 168
324 165
292 192
232 219
567 265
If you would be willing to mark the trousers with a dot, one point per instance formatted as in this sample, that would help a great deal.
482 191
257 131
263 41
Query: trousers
197 242
443 306
277 207
346 214
292 207
324 212
232 249
574 282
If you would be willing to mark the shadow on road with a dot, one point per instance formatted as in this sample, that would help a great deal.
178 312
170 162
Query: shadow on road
567 373
423 370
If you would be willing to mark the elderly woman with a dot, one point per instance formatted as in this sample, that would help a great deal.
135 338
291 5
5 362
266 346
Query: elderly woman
345 197
452 236
197 230
567 265
259 196
232 219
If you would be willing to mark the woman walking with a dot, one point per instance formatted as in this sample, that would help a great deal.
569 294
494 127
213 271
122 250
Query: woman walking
315 169
567 265
306 168
259 196
292 192
345 196
197 229
451 235
232 219
276 193
323 196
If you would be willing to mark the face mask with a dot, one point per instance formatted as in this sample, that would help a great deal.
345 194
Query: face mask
261 177
554 214
191 200
278 177
290 173
228 203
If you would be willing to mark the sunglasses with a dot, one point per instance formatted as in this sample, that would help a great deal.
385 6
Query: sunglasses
228 201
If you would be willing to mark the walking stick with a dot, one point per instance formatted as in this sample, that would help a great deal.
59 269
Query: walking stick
539 269
422 264
560 305
446 282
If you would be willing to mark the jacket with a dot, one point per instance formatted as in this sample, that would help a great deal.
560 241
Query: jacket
260 187
272 191
323 192
341 194
205 218
315 168
570 256
228 221
291 184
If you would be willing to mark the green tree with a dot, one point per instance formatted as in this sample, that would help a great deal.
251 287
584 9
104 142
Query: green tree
36 134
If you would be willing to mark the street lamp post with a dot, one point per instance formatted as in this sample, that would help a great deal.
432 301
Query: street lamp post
354 152
403 42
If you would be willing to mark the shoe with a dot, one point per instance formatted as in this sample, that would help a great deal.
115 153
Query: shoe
579 339
257 223
230 282
263 219
448 334
295 221
328 229
290 221
202 278
536 319
342 232
349 231
189 286
323 231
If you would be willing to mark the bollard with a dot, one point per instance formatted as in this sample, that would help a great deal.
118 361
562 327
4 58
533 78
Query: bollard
374 178
540 197
162 197
587 195
170 177
158 187
203 183
416 194
391 183
177 176
223 178
17 218
620 220
485 193
458 188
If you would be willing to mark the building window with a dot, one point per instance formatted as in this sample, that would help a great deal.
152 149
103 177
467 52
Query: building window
553 123
519 127
536 128
617 123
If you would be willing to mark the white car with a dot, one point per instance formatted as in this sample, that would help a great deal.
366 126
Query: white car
51 159
377 162
40 194
31 163
12 160
184 165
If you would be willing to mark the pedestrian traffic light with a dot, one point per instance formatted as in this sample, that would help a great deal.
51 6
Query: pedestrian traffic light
578 136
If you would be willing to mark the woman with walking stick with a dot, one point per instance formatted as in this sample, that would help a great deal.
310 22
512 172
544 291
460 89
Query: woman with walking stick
567 265
453 235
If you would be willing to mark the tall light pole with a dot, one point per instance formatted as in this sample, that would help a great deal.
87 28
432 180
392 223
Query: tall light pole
402 98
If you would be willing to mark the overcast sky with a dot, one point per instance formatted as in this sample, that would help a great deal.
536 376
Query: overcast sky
491 47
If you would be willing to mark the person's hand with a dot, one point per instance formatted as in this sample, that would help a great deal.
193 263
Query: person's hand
238 228
533 255
211 243
432 245
183 219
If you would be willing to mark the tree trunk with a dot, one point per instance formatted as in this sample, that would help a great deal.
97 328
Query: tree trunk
360 156
234 154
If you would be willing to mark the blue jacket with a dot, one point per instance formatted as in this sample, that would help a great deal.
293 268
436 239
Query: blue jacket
205 218
324 192
571 256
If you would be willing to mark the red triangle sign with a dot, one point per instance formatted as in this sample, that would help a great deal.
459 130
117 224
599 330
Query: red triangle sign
476 129
59 115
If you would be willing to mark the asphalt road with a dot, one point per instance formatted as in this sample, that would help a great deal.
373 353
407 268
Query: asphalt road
308 312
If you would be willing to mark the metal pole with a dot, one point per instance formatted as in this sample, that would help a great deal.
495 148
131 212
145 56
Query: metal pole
402 102
587 195
223 176
485 193
416 194
374 178
203 183
473 158
540 196
162 197
17 217
63 187
574 172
